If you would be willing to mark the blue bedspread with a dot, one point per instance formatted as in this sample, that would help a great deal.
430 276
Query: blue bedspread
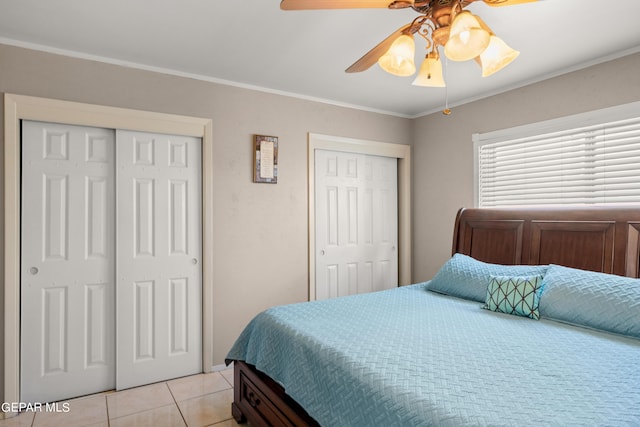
410 357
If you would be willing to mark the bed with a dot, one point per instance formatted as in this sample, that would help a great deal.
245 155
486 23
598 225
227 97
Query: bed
447 353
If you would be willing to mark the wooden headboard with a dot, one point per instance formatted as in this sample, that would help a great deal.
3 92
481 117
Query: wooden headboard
597 239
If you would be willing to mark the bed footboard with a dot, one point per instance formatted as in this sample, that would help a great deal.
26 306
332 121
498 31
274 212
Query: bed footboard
263 402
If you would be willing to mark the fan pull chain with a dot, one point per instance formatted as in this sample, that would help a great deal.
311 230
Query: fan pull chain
446 110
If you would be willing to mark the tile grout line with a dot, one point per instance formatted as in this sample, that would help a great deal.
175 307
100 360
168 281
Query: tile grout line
106 404
176 403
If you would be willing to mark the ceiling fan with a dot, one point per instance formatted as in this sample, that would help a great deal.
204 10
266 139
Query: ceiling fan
445 23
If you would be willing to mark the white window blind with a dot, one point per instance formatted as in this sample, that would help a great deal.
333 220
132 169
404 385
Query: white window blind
588 159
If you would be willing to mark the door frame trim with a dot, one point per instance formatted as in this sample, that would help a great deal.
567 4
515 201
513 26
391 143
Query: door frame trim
350 145
19 107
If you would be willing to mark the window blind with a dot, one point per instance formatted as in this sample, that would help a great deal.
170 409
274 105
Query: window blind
579 161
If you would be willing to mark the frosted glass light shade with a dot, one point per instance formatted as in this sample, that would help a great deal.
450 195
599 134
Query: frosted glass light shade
399 58
496 56
430 73
467 38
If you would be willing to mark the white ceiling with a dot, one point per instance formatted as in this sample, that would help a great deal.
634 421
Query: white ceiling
252 43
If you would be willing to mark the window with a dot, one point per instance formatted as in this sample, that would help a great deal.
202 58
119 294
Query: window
587 159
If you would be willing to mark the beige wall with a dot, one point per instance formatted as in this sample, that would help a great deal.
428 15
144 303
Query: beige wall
443 149
260 230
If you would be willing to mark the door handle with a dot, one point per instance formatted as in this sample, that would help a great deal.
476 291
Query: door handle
34 270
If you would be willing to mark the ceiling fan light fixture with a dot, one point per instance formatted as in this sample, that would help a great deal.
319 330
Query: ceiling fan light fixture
430 74
398 60
467 38
496 56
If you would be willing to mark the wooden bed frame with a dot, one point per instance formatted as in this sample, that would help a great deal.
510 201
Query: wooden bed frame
600 239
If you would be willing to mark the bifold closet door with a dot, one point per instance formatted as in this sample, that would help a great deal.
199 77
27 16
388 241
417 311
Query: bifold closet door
356 211
67 261
159 303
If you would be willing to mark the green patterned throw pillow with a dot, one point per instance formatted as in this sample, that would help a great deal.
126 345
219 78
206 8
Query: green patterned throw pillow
519 295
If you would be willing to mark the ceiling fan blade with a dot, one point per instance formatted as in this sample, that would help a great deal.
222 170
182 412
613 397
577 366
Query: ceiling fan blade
372 56
497 3
333 4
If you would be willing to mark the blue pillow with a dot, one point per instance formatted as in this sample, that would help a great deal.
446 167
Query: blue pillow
466 277
596 300
518 295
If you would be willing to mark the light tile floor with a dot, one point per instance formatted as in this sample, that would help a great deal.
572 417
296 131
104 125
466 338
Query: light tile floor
194 401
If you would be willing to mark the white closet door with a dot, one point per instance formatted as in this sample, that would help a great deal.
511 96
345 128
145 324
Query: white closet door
158 308
67 254
356 211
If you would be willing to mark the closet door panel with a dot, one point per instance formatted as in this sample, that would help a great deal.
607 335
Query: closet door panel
67 256
159 272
